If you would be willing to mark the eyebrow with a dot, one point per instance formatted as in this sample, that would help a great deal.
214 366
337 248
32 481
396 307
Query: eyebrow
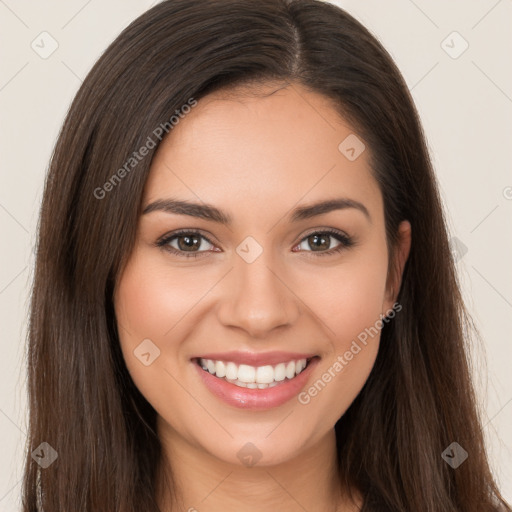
209 212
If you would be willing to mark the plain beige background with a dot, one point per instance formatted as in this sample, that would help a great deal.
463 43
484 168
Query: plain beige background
455 57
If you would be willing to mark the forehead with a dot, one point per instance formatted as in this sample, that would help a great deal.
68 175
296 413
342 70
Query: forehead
270 146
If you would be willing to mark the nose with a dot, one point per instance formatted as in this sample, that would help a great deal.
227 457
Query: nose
257 298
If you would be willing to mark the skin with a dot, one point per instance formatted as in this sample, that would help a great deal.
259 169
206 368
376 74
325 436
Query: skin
256 158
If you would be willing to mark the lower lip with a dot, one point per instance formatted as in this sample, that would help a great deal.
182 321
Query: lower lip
245 398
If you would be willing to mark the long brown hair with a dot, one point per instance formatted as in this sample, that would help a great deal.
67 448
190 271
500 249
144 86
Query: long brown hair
419 397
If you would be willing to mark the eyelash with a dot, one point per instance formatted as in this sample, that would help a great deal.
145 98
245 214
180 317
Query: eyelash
345 242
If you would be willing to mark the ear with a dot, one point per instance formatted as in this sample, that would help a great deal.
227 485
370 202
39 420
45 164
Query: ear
400 256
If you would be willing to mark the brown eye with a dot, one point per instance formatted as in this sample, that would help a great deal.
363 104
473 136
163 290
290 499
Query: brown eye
320 242
185 243
188 242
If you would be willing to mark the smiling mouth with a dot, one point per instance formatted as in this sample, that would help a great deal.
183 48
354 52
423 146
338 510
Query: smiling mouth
254 377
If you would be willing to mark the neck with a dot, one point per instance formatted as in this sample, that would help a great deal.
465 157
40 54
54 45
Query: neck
310 481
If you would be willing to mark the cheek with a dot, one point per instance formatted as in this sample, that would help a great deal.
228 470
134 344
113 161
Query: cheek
151 300
349 297
349 302
147 306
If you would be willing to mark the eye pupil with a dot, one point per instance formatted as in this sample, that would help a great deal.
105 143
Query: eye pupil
191 242
316 238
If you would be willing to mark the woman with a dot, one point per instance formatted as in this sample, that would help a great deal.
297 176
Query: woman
244 296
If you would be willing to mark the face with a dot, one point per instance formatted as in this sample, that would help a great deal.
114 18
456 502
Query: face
255 281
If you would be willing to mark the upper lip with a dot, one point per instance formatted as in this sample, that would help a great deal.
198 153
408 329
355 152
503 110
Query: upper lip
255 359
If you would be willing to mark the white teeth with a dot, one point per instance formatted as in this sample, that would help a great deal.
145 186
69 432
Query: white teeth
280 372
246 373
220 369
231 371
251 385
264 374
290 370
253 377
210 365
238 383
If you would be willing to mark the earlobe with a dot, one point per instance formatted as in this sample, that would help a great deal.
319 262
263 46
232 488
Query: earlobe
401 254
